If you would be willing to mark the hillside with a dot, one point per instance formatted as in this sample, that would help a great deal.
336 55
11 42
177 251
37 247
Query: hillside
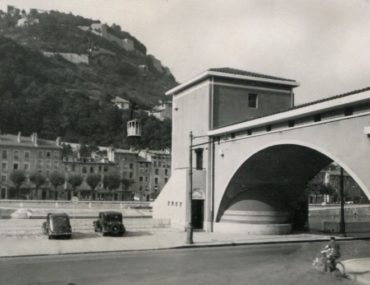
58 76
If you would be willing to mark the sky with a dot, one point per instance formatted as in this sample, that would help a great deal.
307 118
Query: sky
324 45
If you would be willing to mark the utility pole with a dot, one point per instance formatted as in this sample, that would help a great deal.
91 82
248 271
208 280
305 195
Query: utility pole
189 225
342 225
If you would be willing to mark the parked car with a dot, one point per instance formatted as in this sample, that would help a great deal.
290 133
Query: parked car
109 222
57 225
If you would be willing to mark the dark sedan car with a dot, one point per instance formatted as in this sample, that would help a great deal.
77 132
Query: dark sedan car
57 225
109 222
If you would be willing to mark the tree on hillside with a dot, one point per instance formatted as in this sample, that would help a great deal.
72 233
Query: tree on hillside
111 181
75 181
56 179
38 180
18 178
93 181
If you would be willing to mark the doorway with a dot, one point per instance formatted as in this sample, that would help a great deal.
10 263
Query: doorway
197 211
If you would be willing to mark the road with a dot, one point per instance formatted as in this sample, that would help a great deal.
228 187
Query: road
253 264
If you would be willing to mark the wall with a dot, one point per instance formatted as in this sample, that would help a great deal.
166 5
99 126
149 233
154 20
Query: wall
231 103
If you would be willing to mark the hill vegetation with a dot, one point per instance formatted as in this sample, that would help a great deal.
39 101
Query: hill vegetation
55 97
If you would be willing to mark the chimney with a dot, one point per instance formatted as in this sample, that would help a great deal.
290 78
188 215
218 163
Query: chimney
57 141
34 138
19 137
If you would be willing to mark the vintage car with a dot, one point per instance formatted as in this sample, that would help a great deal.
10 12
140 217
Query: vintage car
109 222
57 225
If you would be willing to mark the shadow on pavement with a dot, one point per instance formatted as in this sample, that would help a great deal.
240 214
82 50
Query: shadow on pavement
137 234
77 235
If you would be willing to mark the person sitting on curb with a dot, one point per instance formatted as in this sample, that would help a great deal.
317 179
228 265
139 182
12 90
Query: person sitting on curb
331 253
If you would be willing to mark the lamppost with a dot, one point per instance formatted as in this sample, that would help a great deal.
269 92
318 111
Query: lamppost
342 225
189 196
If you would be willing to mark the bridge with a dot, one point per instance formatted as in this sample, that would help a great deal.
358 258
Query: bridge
255 150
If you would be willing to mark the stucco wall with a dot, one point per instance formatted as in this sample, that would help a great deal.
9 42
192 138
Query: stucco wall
231 104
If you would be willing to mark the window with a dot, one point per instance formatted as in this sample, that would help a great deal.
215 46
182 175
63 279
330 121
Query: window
199 158
4 166
291 124
48 154
131 175
348 111
317 118
140 178
40 154
156 171
249 132
156 180
56 154
26 166
105 168
131 166
268 128
166 171
3 178
27 156
159 164
155 164
146 178
4 154
91 169
16 155
252 100
15 166
84 169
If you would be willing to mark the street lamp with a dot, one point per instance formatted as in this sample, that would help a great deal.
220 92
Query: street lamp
342 225
189 196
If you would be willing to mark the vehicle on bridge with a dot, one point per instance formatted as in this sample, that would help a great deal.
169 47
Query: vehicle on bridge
109 222
57 225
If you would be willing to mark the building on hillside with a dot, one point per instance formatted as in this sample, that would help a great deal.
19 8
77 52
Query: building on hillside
27 21
29 154
157 65
121 103
162 111
71 57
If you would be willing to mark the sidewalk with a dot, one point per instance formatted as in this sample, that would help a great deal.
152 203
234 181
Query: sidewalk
358 269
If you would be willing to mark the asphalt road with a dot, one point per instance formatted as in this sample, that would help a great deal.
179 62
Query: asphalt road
253 264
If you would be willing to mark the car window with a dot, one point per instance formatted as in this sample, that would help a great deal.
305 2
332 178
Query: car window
114 218
60 220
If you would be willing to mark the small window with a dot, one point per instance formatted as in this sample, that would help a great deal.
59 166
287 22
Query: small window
131 175
3 178
27 156
199 158
249 132
48 154
140 178
291 124
317 118
4 154
15 166
84 169
131 166
268 128
252 100
156 171
348 111
232 136
166 171
16 155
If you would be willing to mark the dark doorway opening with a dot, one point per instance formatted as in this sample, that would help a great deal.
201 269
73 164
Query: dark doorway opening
197 210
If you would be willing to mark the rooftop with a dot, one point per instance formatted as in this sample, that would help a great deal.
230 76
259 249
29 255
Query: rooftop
226 72
18 140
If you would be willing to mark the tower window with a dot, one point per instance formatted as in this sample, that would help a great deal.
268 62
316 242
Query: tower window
252 100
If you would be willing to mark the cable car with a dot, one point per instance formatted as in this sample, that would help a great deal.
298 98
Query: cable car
133 128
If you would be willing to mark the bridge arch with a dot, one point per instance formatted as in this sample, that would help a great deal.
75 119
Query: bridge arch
265 193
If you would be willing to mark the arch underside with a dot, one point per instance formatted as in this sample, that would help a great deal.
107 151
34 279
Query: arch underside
269 187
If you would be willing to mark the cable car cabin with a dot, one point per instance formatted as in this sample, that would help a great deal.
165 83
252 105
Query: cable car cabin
133 128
